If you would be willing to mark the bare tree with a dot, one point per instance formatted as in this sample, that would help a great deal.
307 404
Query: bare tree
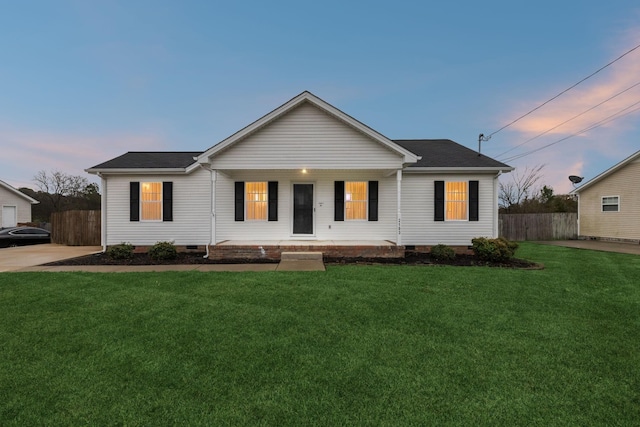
520 187
56 186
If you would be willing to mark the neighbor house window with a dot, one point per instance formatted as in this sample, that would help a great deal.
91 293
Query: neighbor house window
151 201
256 200
456 200
355 200
610 204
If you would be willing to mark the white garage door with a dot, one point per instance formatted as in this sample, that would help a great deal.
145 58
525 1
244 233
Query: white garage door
9 218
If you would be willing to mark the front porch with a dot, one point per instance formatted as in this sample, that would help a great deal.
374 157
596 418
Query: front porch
272 249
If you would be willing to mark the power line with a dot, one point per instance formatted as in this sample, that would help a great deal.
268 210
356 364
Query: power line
567 121
587 129
565 91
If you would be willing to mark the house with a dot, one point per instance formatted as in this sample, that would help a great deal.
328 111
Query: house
306 175
15 206
609 204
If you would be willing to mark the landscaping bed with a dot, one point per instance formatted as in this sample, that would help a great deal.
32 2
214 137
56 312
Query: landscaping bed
410 258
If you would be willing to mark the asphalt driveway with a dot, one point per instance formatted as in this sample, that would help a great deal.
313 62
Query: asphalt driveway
12 259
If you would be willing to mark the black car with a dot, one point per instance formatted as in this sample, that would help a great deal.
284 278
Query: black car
19 236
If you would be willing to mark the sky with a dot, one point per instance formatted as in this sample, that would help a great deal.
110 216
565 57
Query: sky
83 81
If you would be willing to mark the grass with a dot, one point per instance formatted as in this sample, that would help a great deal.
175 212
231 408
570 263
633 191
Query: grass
355 345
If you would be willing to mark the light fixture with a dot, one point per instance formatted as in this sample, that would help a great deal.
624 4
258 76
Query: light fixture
304 171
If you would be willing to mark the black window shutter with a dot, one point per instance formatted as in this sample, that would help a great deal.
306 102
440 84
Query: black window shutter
373 200
134 201
273 200
473 200
438 201
338 214
239 200
167 201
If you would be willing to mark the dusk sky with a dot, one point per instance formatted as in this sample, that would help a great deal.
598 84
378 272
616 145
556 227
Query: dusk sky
84 81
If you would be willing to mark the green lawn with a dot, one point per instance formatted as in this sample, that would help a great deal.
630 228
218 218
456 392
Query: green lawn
355 345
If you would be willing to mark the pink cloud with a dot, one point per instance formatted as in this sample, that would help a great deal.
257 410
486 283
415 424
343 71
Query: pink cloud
25 152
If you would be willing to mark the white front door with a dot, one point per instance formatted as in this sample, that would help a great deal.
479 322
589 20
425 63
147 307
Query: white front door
9 217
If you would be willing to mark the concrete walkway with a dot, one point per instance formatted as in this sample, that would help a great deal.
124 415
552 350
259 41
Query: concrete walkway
31 258
597 245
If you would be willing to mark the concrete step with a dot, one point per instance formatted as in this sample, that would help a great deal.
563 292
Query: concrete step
301 256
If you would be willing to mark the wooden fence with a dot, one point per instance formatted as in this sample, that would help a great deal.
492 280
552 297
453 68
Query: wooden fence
76 228
541 226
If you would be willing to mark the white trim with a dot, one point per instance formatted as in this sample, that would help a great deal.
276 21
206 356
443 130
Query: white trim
440 170
408 156
18 192
138 171
608 172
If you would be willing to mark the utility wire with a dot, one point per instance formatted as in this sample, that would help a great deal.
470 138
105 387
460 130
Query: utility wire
567 121
565 91
604 121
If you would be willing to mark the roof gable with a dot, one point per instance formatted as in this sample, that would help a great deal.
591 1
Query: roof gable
632 158
307 97
17 192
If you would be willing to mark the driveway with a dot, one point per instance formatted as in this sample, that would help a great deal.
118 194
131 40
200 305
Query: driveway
597 245
12 259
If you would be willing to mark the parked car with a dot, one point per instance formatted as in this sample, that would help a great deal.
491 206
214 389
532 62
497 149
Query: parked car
18 236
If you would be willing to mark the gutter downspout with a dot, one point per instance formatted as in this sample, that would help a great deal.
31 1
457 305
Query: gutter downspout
496 215
103 213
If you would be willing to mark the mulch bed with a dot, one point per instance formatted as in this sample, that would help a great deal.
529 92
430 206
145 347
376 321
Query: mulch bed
411 258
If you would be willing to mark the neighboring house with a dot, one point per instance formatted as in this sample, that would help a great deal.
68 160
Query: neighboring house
15 206
304 174
609 204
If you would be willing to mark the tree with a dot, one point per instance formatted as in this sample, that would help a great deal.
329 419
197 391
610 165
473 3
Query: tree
519 189
56 186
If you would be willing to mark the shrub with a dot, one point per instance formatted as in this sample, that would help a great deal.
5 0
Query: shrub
443 253
163 250
494 250
121 251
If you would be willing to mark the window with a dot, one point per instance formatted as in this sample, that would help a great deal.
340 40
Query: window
151 201
610 204
256 200
456 199
355 200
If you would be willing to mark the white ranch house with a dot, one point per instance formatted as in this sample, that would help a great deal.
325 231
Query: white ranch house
306 175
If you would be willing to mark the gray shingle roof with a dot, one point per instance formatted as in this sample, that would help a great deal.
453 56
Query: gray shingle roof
444 153
150 160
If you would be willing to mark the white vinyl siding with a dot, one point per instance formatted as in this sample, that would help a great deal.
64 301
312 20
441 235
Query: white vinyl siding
325 226
418 225
624 224
307 137
191 207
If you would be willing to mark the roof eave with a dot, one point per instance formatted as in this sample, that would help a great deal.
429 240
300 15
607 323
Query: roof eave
18 193
134 171
457 169
606 173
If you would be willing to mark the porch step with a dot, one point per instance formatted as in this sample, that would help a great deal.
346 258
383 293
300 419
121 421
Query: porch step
301 256
301 261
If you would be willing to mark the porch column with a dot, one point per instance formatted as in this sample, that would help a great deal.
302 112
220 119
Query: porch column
399 194
214 180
